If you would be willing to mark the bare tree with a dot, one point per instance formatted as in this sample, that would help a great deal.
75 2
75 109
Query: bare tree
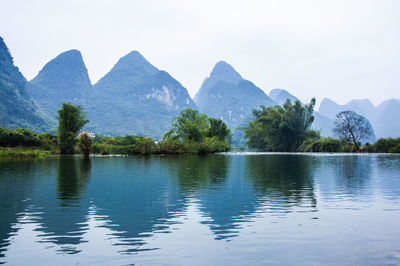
352 127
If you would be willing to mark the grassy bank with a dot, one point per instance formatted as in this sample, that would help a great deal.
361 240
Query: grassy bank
21 153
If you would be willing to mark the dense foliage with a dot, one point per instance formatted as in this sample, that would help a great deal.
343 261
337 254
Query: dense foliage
128 145
280 128
193 132
322 145
389 145
85 143
22 137
70 120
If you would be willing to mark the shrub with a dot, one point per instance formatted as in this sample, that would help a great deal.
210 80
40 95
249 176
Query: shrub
387 145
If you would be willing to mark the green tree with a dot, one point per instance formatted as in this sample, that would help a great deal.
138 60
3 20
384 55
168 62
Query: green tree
85 144
190 126
218 129
70 120
280 128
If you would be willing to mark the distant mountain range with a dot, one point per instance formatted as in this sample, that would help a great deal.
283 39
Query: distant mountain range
136 98
383 117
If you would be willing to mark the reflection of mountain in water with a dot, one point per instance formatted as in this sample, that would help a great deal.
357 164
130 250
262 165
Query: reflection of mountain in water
223 199
230 203
136 195
15 189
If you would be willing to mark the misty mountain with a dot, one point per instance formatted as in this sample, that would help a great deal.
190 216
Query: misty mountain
387 122
63 79
226 95
17 110
381 117
135 98
322 123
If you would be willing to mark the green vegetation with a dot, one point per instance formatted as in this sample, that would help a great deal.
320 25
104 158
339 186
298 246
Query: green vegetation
85 144
70 121
280 128
22 137
387 145
128 145
17 110
322 145
22 153
383 145
194 132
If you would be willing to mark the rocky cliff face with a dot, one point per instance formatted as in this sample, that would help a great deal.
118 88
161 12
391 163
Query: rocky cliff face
226 95
63 79
17 110
136 98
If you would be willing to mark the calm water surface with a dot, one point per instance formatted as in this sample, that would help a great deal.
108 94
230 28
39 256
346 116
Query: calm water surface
211 210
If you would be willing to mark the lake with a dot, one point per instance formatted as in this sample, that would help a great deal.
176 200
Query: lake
223 209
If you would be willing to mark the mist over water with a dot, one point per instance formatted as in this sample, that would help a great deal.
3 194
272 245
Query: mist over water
218 209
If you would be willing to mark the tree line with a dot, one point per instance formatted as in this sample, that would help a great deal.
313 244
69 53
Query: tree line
287 128
281 128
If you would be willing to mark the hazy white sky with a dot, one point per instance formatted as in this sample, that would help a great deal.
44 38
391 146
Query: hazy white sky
339 49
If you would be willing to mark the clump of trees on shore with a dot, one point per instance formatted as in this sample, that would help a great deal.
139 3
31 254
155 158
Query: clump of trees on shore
279 128
288 128
191 132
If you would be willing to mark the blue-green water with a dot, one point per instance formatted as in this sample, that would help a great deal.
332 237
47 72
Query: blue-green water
201 210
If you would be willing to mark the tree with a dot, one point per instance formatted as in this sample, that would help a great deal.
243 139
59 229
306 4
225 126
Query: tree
218 129
85 144
190 126
351 127
280 128
70 120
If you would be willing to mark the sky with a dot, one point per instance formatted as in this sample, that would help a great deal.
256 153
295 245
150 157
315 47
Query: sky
342 49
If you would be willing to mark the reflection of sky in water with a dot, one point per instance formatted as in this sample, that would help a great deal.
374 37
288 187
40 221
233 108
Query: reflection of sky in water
213 209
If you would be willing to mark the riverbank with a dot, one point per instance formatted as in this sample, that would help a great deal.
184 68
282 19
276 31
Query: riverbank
21 153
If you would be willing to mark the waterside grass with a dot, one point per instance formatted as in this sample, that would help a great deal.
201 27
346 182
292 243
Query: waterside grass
21 153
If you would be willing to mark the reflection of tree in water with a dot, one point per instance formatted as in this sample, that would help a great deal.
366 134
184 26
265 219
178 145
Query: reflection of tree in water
389 167
63 222
352 173
193 172
282 178
72 177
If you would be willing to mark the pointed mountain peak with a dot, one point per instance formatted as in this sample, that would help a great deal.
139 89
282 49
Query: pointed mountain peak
65 67
135 63
328 101
68 57
275 93
281 96
225 72
364 102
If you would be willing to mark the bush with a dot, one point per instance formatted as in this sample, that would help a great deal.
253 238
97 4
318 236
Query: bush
321 145
395 149
387 145
18 137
